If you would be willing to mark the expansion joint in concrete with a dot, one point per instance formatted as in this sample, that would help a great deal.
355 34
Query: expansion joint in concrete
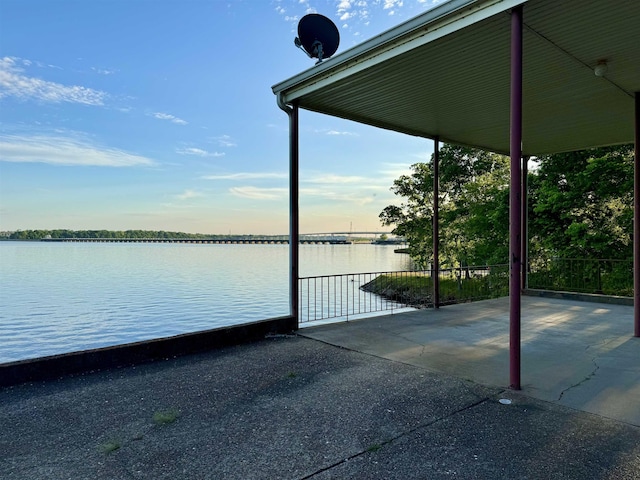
380 445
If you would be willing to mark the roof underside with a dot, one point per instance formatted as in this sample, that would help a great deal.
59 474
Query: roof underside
446 73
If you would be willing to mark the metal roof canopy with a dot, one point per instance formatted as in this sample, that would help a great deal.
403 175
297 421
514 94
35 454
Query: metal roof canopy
472 72
445 74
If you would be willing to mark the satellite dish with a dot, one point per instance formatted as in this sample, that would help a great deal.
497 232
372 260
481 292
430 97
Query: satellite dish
318 36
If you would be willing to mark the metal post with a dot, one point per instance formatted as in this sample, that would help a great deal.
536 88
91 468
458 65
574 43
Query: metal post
435 269
524 251
636 219
294 215
514 197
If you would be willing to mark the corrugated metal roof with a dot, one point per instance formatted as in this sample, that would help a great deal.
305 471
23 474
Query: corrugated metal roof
446 73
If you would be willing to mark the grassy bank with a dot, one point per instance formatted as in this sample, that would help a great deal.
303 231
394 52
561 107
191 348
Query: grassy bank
415 289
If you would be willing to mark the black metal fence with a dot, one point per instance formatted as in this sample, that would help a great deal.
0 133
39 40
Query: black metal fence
362 294
601 276
334 296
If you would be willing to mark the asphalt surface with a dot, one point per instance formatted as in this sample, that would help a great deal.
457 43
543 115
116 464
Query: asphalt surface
296 408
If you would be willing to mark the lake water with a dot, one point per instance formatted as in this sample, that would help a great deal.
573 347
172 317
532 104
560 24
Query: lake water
62 297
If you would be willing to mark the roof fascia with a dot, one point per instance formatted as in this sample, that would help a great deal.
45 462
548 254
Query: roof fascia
425 28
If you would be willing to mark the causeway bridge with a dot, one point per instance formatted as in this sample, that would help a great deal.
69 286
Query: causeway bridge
338 238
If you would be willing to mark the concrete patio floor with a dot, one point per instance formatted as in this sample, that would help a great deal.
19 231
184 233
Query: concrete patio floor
578 354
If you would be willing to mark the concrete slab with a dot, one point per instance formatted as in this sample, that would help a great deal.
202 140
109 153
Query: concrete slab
579 354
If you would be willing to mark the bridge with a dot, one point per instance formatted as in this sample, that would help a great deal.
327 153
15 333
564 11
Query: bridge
394 240
333 238
336 238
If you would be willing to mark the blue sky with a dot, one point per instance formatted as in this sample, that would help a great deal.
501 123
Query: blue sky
159 115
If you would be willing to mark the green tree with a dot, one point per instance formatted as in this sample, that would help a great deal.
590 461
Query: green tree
412 218
474 203
583 204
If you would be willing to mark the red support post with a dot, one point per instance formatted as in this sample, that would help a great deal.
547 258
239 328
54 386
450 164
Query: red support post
514 198
524 250
636 219
435 269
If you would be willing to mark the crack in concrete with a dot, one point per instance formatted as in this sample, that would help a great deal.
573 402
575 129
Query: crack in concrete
585 379
601 343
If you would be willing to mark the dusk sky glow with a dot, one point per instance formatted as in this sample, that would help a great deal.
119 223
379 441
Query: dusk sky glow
159 115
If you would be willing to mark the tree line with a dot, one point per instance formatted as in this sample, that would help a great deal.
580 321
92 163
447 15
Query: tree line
139 234
580 206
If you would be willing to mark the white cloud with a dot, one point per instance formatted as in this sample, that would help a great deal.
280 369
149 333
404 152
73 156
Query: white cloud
14 83
336 132
353 189
199 152
391 171
188 194
258 193
103 71
388 4
350 197
325 131
171 118
308 8
422 156
246 176
225 141
332 179
60 150
392 6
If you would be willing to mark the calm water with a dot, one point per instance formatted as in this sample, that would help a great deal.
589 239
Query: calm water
62 297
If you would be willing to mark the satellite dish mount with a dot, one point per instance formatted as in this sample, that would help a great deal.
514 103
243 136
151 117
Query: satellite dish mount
318 36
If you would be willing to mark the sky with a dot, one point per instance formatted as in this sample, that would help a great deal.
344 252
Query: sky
159 115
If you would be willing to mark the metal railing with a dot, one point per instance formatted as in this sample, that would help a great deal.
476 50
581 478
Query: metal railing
335 296
361 294
600 276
